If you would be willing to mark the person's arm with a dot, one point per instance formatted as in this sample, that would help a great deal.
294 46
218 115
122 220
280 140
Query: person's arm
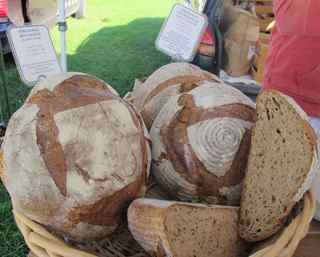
298 17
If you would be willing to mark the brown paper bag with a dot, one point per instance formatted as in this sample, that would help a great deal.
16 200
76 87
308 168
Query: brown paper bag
241 33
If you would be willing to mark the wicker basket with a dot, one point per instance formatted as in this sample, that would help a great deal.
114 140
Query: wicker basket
42 243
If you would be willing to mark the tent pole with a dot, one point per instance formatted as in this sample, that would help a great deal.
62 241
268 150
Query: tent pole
63 28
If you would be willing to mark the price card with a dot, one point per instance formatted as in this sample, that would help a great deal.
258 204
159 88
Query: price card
34 53
181 33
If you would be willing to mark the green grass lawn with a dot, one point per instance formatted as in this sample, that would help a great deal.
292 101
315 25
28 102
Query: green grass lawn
115 42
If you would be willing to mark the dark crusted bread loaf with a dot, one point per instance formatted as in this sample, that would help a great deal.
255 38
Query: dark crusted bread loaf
170 80
179 229
282 164
75 155
201 141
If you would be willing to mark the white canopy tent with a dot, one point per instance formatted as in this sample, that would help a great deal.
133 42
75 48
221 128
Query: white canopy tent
65 9
45 12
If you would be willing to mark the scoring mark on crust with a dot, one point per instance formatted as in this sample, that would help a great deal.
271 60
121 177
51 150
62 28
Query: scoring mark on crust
75 92
182 156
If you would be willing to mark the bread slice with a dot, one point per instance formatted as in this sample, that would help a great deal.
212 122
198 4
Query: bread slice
283 162
177 229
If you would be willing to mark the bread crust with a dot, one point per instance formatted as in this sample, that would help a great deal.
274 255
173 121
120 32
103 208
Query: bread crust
170 80
186 161
146 223
147 219
63 135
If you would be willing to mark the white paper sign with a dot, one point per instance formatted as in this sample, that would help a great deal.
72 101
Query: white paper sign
180 35
34 53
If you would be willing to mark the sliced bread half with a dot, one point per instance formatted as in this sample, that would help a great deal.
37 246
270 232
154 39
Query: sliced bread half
177 229
283 162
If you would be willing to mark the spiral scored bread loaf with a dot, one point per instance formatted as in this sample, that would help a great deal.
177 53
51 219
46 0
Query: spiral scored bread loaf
170 80
200 143
75 155
177 229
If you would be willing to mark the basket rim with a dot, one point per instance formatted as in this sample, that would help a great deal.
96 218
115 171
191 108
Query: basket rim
40 241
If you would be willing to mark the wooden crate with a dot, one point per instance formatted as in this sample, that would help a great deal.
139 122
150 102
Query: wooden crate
263 9
264 12
264 38
260 57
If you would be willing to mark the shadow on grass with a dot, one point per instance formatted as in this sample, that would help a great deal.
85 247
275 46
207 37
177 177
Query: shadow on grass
117 55
17 91
120 54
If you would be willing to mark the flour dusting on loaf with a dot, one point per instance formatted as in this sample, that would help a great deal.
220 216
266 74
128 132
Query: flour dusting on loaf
200 143
81 154
170 80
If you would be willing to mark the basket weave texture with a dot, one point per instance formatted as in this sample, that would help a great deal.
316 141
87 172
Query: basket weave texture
42 243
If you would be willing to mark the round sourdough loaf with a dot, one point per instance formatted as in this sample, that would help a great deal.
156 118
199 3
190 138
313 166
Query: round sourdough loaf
75 155
200 143
170 80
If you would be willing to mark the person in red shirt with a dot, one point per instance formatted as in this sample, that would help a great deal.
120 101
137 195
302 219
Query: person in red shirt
293 63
